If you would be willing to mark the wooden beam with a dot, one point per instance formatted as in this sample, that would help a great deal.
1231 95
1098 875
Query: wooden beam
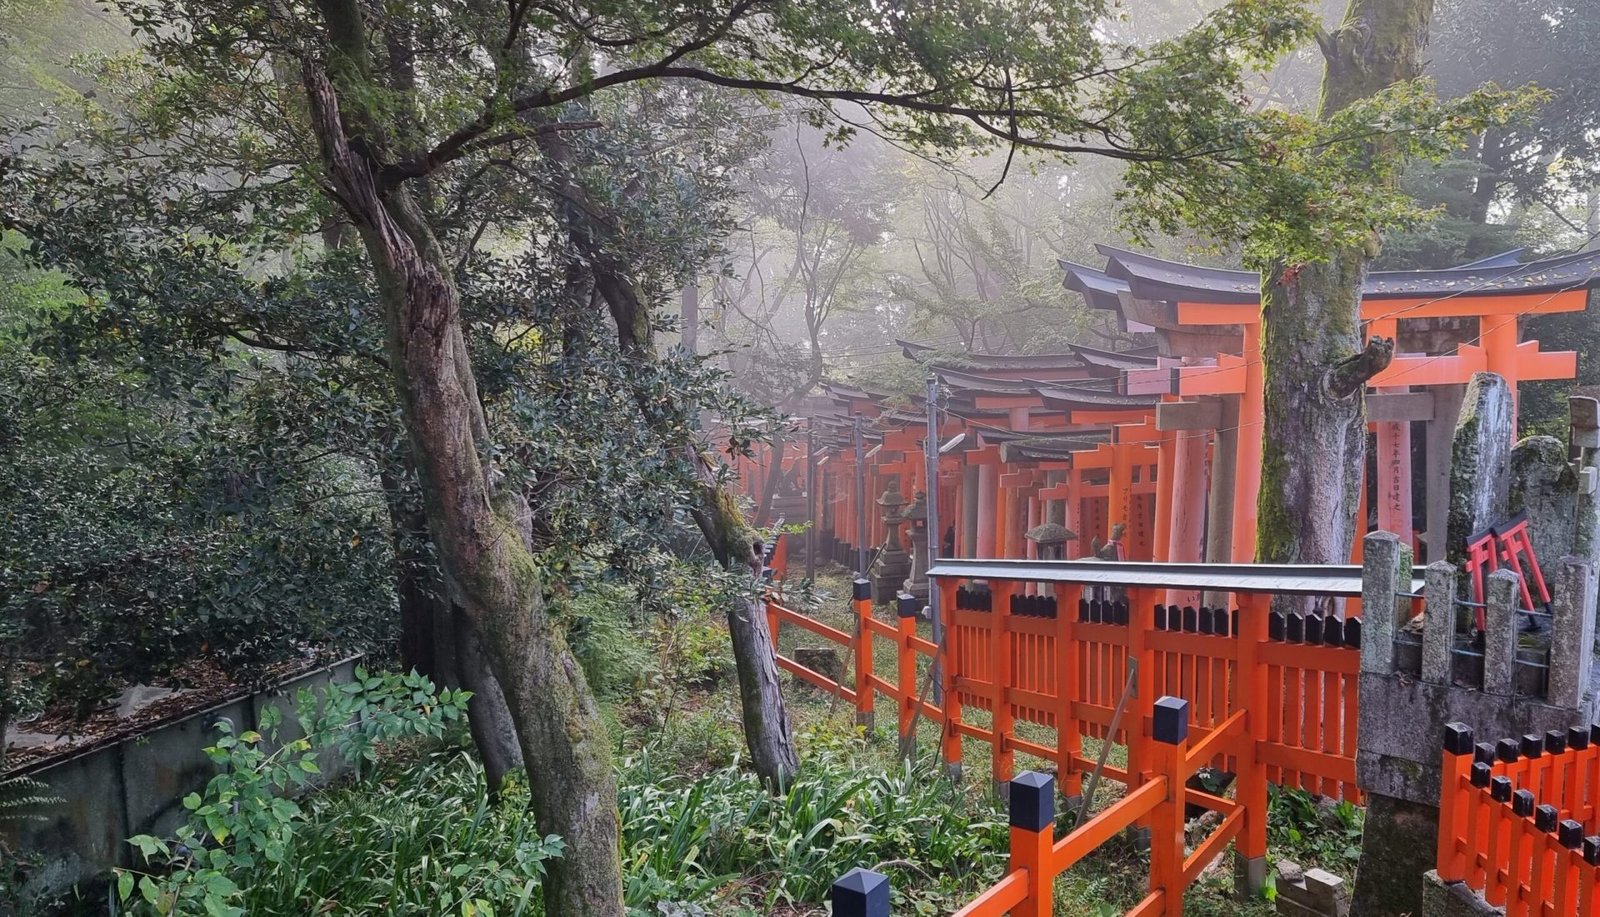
1398 407
1189 415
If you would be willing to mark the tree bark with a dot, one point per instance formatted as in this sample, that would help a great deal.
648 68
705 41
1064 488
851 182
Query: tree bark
1315 364
690 316
495 577
438 639
494 732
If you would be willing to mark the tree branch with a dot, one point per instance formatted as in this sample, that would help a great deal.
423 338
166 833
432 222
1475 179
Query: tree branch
1349 375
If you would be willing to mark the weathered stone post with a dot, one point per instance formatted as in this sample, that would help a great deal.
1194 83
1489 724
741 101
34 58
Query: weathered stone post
1411 688
1480 463
916 519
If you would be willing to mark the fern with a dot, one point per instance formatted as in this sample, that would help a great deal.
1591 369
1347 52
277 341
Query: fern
19 793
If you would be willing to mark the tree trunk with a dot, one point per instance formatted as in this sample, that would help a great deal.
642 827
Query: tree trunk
690 316
494 732
497 580
1313 362
769 487
767 731
438 640
1315 431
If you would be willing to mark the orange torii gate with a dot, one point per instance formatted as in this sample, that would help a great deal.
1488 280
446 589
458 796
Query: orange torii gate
1167 439
1195 308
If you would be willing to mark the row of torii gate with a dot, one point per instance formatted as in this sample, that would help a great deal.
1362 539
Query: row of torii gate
1154 453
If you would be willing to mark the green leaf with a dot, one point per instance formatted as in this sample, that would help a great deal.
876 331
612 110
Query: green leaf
124 885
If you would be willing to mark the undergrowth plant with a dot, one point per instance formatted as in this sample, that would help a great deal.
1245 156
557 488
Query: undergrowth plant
1320 834
723 836
422 838
246 819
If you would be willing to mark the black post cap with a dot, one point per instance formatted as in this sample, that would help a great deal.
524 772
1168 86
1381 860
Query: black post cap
1594 734
1204 621
1483 752
1083 609
1500 789
1313 628
1545 817
1120 613
906 605
860 893
1171 721
1458 738
1275 626
1033 801
1578 737
861 590
1555 741
1332 631
1352 633
1161 617
1532 746
1591 850
1570 833
1294 630
1480 774
1233 622
1507 751
1191 619
1522 803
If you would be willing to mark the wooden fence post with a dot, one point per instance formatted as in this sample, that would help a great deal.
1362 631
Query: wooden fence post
1454 799
772 621
1169 733
1140 753
906 671
1069 730
950 739
1002 720
862 594
1251 685
1033 819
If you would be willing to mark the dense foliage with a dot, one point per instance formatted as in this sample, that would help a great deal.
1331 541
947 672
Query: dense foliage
151 516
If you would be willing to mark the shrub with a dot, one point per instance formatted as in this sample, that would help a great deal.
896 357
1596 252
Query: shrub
244 823
424 839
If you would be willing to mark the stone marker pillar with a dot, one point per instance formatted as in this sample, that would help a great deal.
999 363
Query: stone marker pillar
916 518
1480 464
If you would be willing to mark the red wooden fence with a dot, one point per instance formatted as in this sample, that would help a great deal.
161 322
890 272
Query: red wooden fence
1513 820
1269 698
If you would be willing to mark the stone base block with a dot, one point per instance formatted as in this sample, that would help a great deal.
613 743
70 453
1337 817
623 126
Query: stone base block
1452 899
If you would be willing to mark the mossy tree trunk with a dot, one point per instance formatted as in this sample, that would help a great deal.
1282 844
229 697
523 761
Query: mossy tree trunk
477 527
1315 365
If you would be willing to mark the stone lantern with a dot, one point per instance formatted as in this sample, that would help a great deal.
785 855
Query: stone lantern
893 564
916 517
1052 538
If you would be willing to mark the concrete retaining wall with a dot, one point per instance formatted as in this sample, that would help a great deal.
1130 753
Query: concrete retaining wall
136 785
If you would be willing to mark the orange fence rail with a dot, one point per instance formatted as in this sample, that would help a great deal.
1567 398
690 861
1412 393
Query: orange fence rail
1267 698
1513 820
